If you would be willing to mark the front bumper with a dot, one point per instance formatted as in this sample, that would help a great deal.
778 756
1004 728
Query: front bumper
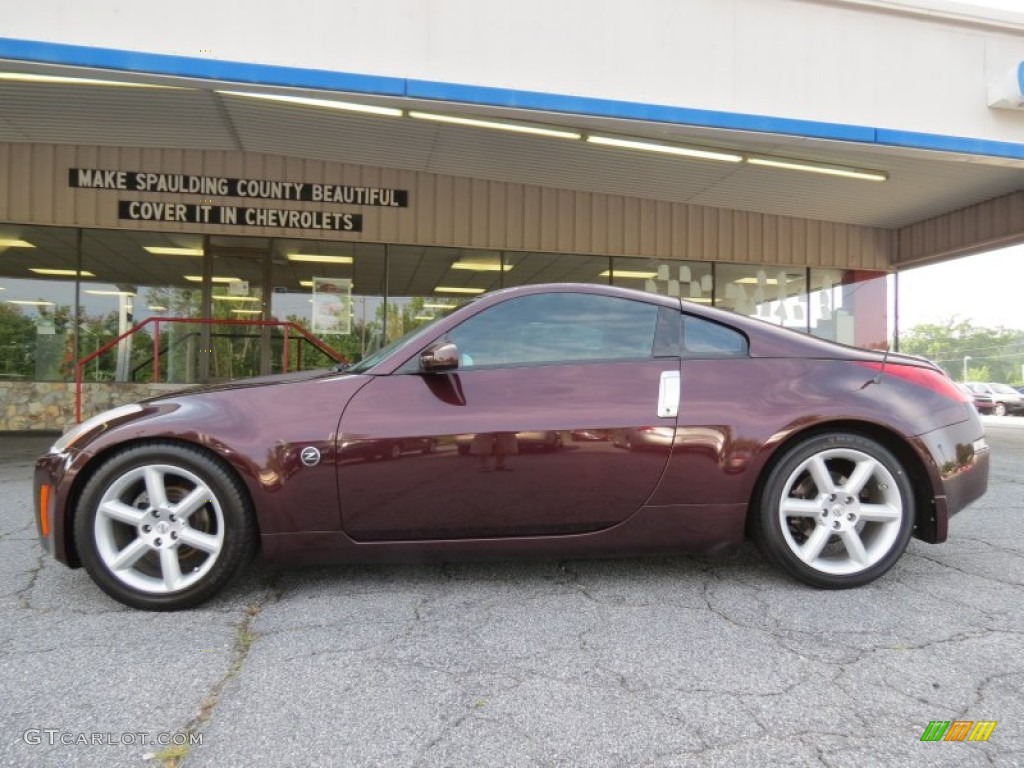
52 473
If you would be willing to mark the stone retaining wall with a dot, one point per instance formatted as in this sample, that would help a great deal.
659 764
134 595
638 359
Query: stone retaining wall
50 405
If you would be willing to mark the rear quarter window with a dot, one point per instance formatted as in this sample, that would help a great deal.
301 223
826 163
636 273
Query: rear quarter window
704 339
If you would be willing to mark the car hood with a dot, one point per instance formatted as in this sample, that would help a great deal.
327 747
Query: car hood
256 381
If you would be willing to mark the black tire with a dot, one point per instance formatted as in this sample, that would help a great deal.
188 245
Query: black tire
394 451
999 409
815 538
430 447
217 515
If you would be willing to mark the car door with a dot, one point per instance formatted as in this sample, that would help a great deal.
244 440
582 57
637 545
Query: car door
528 436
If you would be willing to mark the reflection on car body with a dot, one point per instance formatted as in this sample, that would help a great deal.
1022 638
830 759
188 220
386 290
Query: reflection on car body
375 450
590 435
543 440
644 438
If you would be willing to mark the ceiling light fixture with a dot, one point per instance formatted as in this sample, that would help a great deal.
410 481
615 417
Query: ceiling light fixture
635 274
449 289
111 293
221 297
825 168
306 283
31 77
345 106
26 302
481 266
437 305
157 308
247 311
14 243
318 259
60 272
534 130
158 250
199 279
665 149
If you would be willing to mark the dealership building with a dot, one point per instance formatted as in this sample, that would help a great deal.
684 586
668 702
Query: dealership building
193 194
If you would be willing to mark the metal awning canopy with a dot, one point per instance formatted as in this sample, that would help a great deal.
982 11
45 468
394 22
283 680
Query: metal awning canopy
925 194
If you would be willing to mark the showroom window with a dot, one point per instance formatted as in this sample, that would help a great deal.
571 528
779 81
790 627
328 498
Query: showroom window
138 276
222 301
775 294
333 290
690 280
851 307
38 271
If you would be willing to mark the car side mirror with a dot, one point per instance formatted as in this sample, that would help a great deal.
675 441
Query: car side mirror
439 357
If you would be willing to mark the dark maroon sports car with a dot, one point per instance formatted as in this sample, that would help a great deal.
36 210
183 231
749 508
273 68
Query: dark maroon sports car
829 457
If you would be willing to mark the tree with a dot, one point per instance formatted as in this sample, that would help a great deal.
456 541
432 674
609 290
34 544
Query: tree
17 343
347 345
996 354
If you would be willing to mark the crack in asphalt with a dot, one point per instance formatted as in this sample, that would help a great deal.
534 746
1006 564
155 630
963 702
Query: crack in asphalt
992 546
979 693
1013 584
245 638
26 528
24 594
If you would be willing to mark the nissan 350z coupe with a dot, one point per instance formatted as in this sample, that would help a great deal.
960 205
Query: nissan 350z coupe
457 442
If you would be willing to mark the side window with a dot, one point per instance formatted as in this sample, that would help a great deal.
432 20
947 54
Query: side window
703 339
557 327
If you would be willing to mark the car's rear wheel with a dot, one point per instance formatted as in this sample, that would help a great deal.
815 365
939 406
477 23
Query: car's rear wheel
163 526
836 511
999 409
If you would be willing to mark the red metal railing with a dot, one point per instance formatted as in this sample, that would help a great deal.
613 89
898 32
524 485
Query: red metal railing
156 322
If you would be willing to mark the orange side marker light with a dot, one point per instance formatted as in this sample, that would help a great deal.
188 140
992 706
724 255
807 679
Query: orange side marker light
44 514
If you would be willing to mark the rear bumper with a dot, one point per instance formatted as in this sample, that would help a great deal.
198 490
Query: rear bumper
960 458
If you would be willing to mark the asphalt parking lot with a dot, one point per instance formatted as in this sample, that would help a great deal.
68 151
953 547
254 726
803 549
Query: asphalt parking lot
641 662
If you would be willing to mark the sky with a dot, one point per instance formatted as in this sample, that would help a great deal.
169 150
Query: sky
987 288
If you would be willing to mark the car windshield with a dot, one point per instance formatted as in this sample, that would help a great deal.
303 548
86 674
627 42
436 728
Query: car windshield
1004 389
371 360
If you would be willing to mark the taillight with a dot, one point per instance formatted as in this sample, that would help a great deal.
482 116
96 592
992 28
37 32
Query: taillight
929 378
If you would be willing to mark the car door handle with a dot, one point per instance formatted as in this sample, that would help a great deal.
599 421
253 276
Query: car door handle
668 395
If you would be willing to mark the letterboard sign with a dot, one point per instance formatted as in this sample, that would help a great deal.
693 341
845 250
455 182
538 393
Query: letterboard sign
207 212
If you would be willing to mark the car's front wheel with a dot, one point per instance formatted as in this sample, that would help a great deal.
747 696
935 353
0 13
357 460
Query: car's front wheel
836 511
163 526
